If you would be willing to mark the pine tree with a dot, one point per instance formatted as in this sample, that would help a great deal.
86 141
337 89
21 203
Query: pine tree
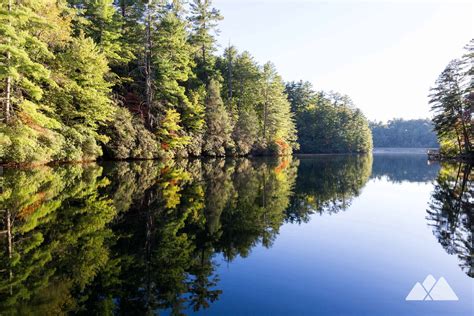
217 135
27 30
241 96
172 62
103 23
328 122
451 122
468 94
82 97
204 20
245 131
20 69
278 132
301 95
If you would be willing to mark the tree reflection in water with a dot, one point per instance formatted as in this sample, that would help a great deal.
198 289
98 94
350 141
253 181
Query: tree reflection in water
450 212
327 184
142 237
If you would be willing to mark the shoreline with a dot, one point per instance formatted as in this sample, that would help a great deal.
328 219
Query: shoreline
431 156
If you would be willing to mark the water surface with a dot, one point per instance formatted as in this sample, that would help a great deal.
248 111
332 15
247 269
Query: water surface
323 234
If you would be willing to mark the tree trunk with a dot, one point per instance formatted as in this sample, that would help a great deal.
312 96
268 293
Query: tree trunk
467 143
265 120
229 77
123 7
458 138
8 224
7 96
148 83
265 115
7 105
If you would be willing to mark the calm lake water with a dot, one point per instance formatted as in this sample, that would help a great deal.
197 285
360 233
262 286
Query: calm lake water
301 236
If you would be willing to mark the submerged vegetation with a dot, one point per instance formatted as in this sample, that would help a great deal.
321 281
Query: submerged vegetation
141 79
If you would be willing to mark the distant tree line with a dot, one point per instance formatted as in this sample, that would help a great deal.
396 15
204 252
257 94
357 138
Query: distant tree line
404 134
81 79
452 102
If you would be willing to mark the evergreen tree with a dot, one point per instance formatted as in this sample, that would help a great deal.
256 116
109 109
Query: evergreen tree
132 79
217 134
103 23
242 96
301 95
278 132
204 20
328 122
172 61
30 132
245 131
452 119
82 97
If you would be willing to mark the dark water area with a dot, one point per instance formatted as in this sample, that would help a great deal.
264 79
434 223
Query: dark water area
294 236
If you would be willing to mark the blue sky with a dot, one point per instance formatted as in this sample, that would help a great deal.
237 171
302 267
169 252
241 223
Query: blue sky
384 54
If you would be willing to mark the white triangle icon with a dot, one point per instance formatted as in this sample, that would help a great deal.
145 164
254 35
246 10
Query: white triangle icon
443 292
437 291
417 293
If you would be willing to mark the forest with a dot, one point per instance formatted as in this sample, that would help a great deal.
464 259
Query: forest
120 79
404 134
327 122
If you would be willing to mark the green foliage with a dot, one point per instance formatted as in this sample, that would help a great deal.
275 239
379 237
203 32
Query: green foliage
452 104
172 60
81 79
169 131
245 132
30 133
82 92
100 21
217 135
204 20
129 138
301 95
25 140
278 132
328 123
59 95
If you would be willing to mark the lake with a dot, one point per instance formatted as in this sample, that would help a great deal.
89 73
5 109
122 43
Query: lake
329 234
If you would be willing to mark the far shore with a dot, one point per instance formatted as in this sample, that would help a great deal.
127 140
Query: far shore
391 150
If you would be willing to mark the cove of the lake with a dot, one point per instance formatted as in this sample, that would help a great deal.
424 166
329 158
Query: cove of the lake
308 235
